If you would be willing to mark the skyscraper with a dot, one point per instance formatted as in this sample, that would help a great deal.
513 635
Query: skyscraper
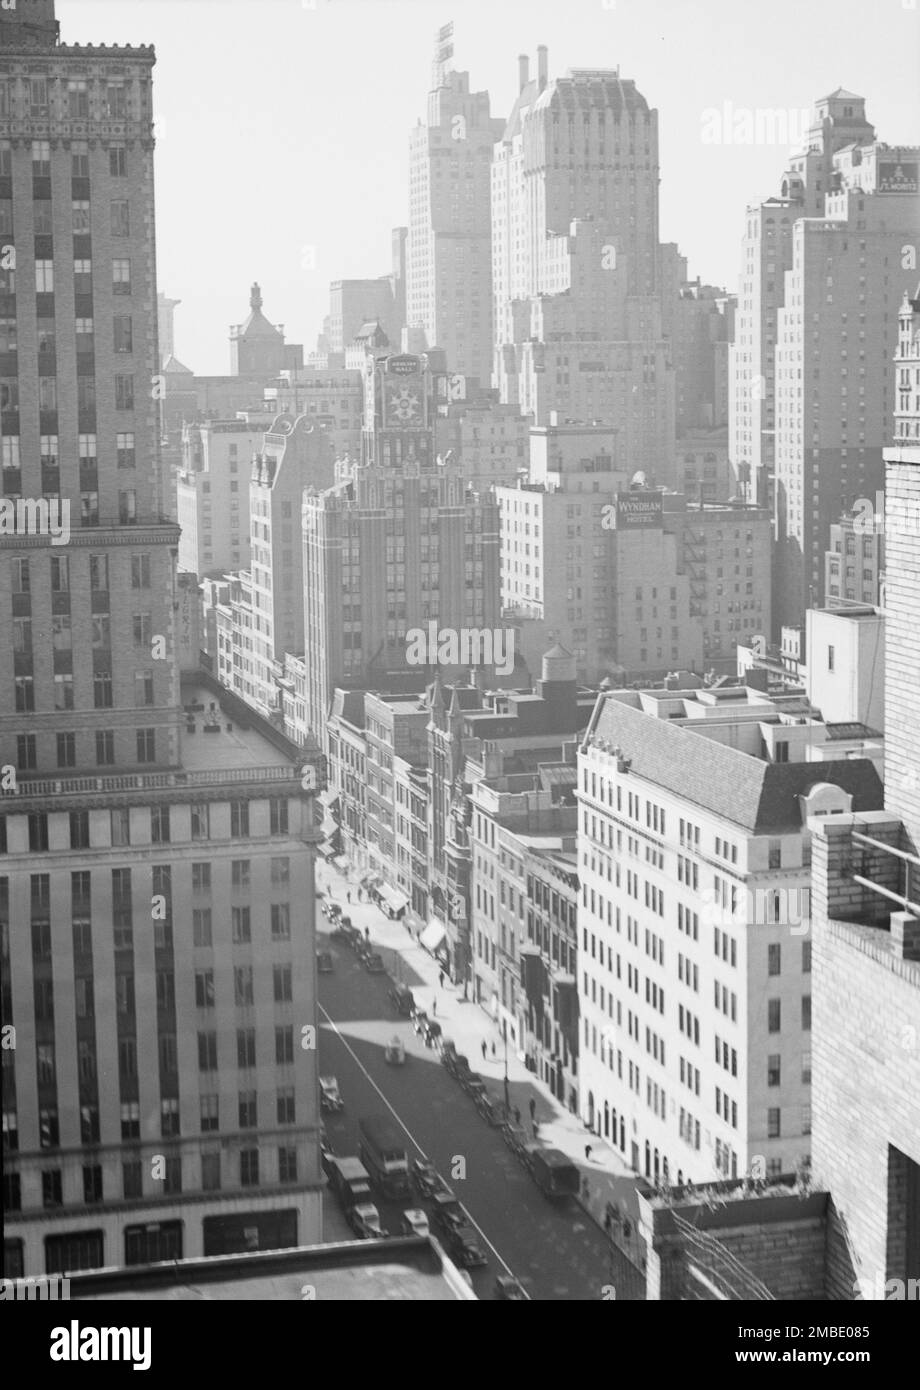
449 270
156 909
575 257
398 542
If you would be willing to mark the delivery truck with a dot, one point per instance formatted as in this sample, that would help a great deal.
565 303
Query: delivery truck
383 1151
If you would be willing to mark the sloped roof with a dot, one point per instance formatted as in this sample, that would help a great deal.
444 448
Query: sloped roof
759 796
174 366
842 94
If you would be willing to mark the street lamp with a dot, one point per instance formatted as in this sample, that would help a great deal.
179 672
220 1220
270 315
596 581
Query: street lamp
505 1039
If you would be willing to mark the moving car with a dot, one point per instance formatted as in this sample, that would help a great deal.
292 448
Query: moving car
508 1288
401 998
425 1177
330 1097
414 1222
463 1246
324 962
364 1220
395 1052
554 1173
373 964
446 1212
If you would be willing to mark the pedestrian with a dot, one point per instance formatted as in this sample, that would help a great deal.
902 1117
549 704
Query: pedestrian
434 1008
348 895
441 979
536 1129
493 1048
533 1108
367 934
517 1114
483 1046
588 1151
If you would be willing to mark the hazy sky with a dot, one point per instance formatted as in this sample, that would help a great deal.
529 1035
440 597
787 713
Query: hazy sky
283 124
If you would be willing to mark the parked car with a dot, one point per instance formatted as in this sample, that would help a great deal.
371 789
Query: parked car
414 1222
324 962
330 1097
432 1033
373 964
515 1137
364 1220
461 1068
448 1052
363 950
331 910
507 1288
401 998
472 1082
490 1108
420 1022
327 1153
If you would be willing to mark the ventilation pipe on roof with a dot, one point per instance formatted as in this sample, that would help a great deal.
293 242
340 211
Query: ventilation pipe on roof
523 71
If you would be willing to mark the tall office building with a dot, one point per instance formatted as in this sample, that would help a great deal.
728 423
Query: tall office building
836 336
156 912
839 120
575 262
449 257
398 542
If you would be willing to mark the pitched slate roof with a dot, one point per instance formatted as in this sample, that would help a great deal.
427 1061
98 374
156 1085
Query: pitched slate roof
759 796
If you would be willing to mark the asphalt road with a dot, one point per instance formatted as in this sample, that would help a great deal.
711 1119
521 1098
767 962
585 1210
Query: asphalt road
556 1251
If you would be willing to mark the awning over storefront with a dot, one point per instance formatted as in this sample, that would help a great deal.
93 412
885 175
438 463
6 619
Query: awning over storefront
394 898
433 935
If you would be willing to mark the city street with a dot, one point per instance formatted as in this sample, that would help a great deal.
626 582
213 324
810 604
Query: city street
556 1252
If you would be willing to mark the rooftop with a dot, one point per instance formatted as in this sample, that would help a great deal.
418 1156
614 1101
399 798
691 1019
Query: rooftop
406 1270
232 745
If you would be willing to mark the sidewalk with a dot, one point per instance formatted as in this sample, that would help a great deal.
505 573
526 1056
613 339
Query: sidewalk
605 1175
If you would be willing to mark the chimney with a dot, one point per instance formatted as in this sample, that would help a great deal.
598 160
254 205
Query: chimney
542 65
523 71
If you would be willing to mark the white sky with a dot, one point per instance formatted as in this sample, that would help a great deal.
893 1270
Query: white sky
284 126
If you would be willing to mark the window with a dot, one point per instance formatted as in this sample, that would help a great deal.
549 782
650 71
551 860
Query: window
201 926
207 1052
201 878
806 957
77 101
118 161
248 1110
242 986
239 819
124 449
204 989
200 821
287 1165
67 749
282 980
278 816
159 824
249 1167
130 1120
102 680
124 393
140 571
121 277
245 1048
830 658
79 830
38 831
239 875
773 1069
286 1106
146 745
143 689
284 1045
123 333
773 1123
774 1016
52 1195
80 216
209 1110
240 925
132 1179
44 277
26 749
773 960
281 871
281 921
806 1012
121 219
127 507
120 820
